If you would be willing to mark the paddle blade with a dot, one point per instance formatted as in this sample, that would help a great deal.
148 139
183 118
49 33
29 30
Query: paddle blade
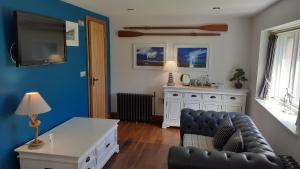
129 34
216 27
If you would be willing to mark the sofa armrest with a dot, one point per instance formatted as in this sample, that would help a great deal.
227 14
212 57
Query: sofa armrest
194 158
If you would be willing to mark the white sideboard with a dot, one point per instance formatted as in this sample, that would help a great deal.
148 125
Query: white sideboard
80 143
178 97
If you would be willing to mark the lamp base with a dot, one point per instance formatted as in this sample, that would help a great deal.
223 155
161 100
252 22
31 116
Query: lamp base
35 144
34 123
170 84
171 81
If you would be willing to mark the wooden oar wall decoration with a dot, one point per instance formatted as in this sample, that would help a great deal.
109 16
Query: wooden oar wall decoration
214 28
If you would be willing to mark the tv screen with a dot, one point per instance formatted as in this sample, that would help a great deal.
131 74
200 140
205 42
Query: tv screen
40 40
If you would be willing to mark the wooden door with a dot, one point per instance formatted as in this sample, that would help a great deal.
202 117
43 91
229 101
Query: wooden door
96 46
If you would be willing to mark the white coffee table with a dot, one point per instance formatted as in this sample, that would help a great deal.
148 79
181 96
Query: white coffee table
80 143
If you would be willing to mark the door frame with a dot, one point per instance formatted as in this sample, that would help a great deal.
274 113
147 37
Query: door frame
88 19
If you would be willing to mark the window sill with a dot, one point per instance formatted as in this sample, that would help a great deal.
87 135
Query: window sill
275 109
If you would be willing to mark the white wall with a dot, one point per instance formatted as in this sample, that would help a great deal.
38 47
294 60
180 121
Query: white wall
282 140
227 52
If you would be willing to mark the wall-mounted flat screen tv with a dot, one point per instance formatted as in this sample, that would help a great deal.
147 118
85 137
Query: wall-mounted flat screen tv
40 40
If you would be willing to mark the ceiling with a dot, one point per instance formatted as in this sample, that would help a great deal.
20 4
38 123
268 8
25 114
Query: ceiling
174 7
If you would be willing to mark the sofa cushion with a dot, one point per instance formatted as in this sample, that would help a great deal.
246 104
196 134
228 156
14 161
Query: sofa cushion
198 141
225 130
235 142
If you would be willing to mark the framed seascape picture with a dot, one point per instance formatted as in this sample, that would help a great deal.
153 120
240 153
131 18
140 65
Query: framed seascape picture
72 34
192 56
149 56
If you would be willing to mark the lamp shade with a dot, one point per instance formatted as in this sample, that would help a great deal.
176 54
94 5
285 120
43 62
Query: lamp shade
170 66
32 103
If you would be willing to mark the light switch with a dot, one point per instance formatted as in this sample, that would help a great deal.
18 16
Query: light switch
83 74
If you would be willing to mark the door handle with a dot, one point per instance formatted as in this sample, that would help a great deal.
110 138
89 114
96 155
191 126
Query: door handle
94 80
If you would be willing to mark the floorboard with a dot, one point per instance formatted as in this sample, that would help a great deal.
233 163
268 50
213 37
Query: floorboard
143 146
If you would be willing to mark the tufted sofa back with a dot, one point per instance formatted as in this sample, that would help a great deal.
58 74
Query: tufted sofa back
207 122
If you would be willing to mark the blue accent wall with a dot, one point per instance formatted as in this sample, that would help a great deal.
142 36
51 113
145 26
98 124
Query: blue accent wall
60 85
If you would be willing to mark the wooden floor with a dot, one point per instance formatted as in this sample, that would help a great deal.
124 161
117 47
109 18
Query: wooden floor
143 146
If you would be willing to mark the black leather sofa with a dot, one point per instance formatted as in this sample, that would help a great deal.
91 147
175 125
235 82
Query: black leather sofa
257 152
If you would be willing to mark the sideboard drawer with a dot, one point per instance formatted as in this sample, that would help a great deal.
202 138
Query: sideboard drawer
193 96
174 95
233 108
233 99
211 97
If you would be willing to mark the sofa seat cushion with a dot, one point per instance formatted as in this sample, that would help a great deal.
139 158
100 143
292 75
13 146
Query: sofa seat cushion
198 141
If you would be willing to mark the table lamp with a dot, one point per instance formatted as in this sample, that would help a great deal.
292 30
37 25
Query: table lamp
170 67
33 104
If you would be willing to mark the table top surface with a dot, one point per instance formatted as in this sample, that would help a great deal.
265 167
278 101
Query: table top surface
73 138
206 89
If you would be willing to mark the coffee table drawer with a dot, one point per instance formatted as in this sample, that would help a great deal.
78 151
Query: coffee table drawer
106 145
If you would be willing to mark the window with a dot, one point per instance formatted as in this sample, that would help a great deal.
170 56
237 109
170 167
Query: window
286 70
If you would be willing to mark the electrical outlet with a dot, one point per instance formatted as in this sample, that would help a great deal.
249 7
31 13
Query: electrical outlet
83 74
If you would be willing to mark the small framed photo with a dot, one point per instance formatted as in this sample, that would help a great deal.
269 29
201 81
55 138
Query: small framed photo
72 37
149 56
192 56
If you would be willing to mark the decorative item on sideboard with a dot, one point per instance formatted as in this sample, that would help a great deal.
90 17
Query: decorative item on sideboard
238 77
33 104
170 67
185 79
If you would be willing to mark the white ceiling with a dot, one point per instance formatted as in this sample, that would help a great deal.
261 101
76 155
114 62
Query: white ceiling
174 7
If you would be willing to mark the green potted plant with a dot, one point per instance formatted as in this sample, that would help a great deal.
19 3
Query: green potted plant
238 77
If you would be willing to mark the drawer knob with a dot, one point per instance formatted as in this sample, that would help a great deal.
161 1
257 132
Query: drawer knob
232 98
194 95
175 94
88 159
212 97
48 168
107 145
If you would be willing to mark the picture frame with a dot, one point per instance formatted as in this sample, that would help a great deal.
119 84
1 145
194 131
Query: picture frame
149 56
72 37
192 56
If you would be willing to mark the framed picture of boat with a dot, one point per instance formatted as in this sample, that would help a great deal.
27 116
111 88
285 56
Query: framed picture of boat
149 56
192 56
